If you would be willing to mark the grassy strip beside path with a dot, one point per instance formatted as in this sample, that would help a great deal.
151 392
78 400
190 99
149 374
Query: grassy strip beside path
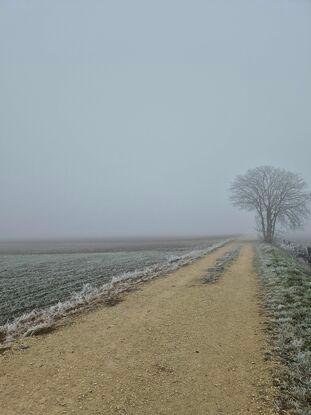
287 288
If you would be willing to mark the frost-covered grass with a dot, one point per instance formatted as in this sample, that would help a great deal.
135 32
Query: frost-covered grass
43 320
222 264
287 288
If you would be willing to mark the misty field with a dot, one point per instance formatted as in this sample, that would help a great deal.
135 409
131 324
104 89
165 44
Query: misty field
38 289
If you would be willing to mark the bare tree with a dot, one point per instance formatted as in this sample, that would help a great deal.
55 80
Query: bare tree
278 197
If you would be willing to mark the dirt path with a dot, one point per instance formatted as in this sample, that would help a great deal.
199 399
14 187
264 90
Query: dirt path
174 347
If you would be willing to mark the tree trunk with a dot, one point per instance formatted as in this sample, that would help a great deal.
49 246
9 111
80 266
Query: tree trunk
269 228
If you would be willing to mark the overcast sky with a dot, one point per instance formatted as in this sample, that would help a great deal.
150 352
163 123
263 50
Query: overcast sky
126 118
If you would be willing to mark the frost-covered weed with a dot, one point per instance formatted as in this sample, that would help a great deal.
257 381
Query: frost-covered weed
299 251
287 287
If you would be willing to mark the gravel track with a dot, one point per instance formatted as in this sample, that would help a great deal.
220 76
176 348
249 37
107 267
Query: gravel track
176 346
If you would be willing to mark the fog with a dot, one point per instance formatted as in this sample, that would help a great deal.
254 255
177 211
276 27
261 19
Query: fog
131 118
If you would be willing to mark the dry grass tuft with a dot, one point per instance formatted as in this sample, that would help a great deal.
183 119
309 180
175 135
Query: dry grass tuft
113 300
2 335
40 330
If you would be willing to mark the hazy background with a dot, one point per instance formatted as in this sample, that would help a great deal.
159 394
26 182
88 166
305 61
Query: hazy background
131 118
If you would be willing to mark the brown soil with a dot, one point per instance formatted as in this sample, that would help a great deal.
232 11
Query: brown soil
176 346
